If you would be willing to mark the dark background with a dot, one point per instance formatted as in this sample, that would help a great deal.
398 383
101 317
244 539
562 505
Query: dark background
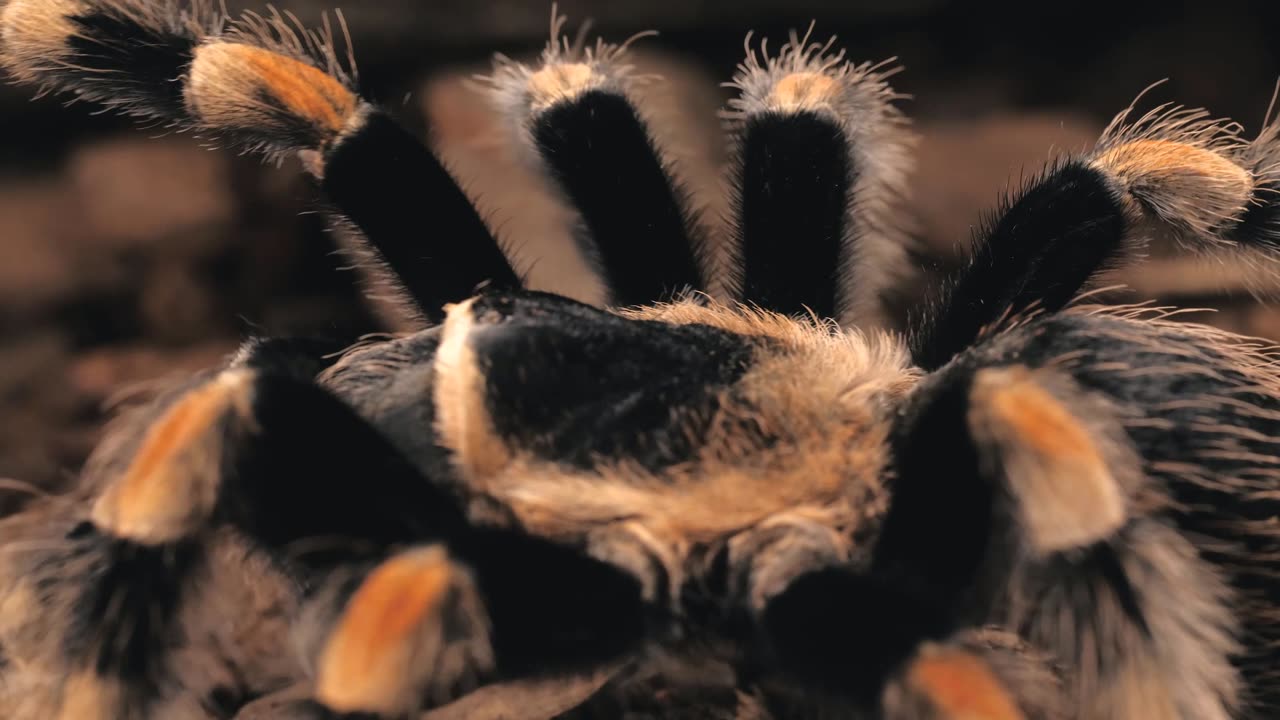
126 256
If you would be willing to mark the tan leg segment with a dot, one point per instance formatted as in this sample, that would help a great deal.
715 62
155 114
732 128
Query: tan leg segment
951 684
1055 465
411 634
172 484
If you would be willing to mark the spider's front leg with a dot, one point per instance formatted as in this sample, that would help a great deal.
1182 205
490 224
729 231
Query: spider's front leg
879 647
821 160
272 88
1015 501
120 600
1020 500
293 469
1173 174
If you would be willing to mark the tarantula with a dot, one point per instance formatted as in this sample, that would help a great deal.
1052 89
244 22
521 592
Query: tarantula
746 503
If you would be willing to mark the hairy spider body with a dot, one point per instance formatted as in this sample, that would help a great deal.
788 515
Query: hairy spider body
734 504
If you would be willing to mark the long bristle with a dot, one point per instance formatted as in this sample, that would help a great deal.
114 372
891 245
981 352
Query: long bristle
1173 173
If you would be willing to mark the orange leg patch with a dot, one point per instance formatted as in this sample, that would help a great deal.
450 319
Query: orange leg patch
232 81
172 484
1189 186
805 91
1066 493
961 687
371 661
558 82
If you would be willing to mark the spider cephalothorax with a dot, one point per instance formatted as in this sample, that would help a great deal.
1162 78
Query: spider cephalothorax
726 495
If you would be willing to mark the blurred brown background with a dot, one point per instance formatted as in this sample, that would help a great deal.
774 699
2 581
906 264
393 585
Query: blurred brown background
125 255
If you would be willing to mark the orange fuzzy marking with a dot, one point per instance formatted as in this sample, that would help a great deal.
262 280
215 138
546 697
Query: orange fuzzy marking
366 662
1065 490
305 90
186 421
1188 186
1156 157
962 687
85 696
804 90
1042 423
237 85
559 81
172 481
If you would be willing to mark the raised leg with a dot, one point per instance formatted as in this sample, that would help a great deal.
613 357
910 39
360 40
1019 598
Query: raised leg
1020 500
575 117
822 158
267 87
1172 173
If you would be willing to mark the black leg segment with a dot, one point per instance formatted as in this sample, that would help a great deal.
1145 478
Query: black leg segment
414 215
1039 253
794 184
597 149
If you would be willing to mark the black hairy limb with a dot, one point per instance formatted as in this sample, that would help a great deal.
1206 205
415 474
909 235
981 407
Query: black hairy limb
792 207
383 178
312 468
1043 248
600 153
551 607
845 633
937 486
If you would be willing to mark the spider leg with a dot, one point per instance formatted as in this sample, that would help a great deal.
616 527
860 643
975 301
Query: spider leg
262 85
428 625
289 465
575 117
1020 500
1067 492
822 158
1173 173
379 176
986 673
161 594
844 633
414 630
273 453
876 643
